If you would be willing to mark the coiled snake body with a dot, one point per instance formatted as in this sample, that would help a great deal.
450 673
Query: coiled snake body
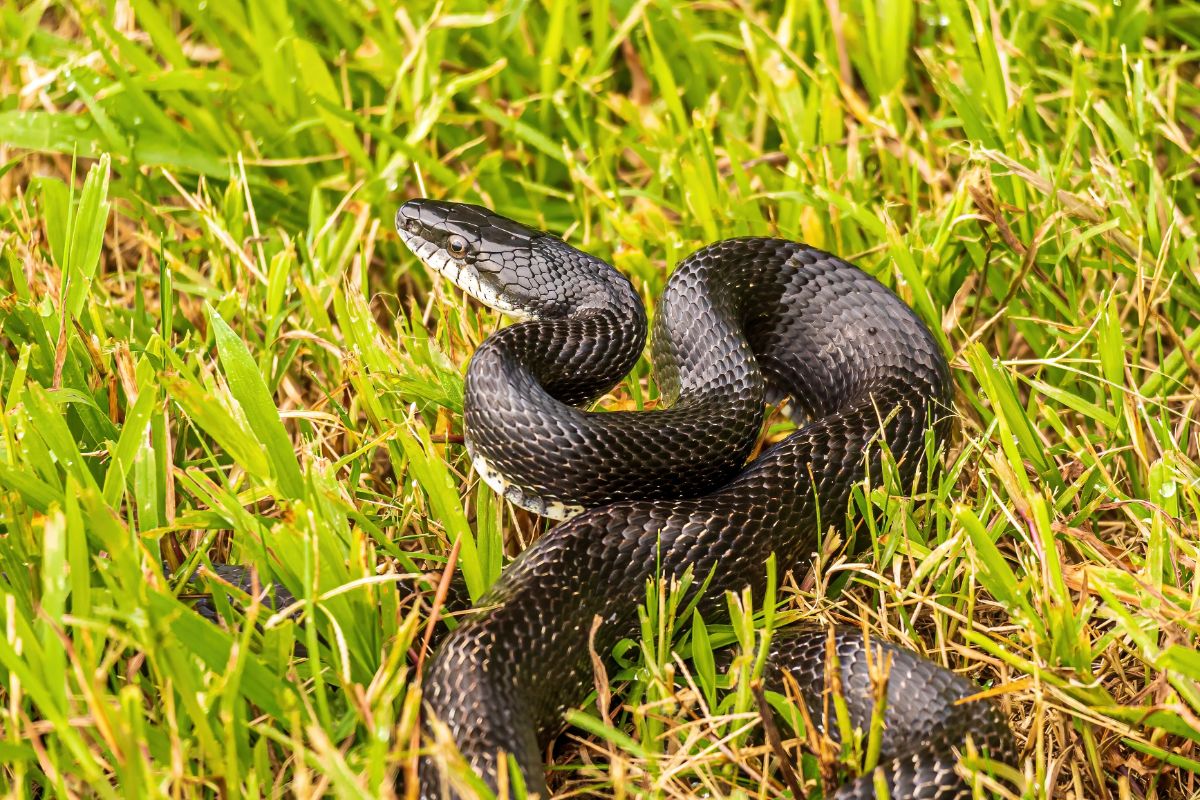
667 490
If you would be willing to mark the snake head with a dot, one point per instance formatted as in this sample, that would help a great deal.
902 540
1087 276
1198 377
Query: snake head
505 265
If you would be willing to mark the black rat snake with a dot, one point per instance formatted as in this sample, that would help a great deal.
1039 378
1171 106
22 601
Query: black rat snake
667 491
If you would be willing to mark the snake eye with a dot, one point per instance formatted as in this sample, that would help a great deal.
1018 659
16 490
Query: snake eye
457 246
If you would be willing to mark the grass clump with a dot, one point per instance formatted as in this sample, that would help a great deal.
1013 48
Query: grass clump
215 349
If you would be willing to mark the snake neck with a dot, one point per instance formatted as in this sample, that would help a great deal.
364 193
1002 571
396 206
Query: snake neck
569 361
586 331
526 379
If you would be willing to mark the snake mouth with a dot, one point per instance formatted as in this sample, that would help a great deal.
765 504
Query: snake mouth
464 274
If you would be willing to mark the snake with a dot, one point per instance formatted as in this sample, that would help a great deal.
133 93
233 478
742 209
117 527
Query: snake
654 495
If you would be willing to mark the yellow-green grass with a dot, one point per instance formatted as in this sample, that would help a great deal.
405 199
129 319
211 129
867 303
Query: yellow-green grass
215 349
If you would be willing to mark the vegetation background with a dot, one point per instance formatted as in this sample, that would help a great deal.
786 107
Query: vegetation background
215 349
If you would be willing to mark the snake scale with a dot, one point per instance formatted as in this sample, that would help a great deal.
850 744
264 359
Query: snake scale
652 494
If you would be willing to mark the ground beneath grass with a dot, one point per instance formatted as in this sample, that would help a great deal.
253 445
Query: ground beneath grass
214 349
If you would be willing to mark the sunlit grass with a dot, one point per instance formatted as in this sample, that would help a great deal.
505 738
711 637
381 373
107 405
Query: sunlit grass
215 350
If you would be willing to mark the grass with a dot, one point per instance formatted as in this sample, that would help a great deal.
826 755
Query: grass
214 348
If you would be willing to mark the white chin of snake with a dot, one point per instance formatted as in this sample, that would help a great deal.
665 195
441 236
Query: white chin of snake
437 259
